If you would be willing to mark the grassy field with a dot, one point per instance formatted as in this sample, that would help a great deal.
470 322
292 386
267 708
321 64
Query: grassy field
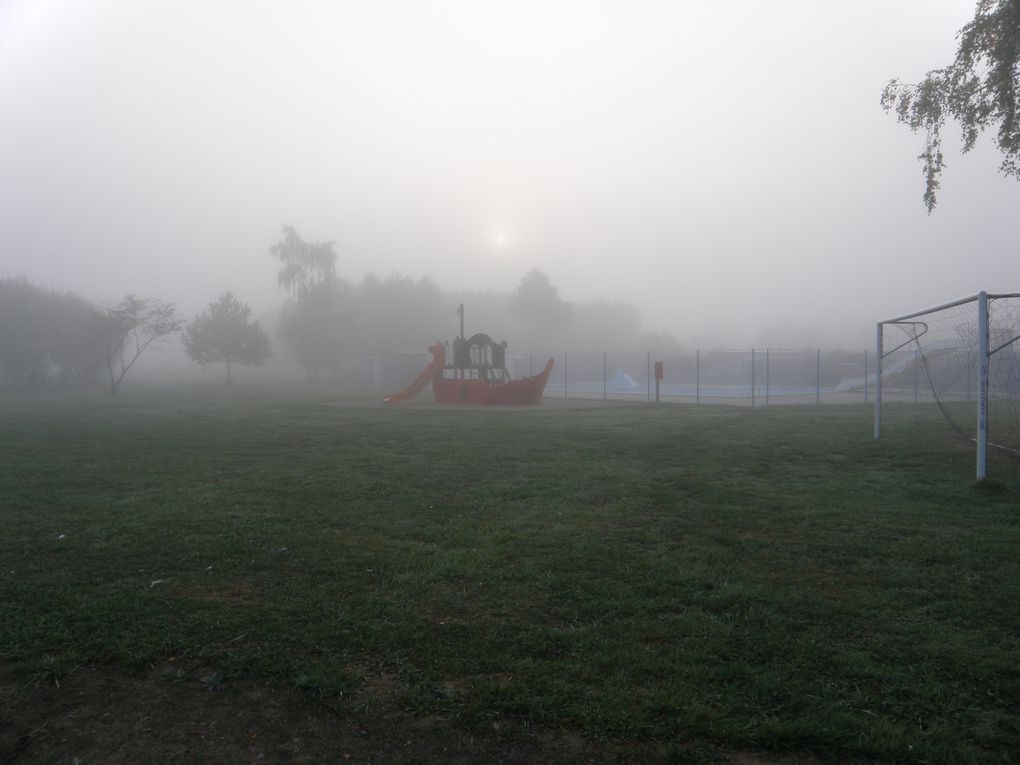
646 582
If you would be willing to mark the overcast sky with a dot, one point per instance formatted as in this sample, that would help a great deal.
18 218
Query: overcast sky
725 166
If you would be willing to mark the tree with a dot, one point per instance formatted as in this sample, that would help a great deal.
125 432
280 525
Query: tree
223 332
396 312
47 337
310 322
76 345
130 328
979 90
601 325
539 302
303 265
310 327
24 364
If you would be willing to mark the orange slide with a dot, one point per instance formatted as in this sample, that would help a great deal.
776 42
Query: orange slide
434 368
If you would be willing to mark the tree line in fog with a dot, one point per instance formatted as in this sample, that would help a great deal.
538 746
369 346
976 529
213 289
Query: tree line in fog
325 323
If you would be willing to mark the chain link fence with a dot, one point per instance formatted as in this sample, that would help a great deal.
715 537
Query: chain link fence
752 377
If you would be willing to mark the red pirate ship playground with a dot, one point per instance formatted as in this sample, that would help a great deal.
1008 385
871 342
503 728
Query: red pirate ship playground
478 374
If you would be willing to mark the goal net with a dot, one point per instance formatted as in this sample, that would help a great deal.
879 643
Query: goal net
964 357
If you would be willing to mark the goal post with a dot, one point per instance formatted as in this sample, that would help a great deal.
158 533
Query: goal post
967 352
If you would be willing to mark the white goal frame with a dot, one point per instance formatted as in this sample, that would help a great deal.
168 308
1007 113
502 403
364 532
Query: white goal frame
983 355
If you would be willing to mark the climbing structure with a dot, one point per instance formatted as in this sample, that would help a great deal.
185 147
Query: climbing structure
477 375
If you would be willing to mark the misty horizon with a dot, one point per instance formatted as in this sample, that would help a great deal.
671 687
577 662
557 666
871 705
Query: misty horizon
726 171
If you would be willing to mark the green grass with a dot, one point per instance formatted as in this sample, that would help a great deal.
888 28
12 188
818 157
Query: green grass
768 579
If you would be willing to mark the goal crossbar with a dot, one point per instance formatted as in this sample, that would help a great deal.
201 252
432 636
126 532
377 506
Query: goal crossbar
950 304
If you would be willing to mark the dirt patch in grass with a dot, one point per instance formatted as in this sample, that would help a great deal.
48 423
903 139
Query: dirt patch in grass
228 592
172 714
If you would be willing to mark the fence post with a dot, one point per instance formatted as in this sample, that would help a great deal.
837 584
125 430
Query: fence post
766 378
648 375
982 392
818 376
752 378
917 359
878 381
970 383
697 376
603 375
865 376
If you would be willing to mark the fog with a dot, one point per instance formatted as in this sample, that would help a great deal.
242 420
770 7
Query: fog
723 167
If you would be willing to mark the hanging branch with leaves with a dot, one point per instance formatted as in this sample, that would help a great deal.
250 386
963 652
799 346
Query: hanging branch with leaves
979 90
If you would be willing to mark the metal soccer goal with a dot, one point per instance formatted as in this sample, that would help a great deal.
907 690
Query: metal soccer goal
963 355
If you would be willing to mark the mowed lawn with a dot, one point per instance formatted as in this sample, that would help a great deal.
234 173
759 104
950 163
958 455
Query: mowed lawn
701 579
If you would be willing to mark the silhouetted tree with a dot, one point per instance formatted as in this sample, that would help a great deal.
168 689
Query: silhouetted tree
303 265
76 345
130 328
604 324
398 312
312 329
23 358
979 89
47 337
311 322
538 301
224 333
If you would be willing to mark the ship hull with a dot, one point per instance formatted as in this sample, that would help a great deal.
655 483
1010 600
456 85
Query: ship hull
527 390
